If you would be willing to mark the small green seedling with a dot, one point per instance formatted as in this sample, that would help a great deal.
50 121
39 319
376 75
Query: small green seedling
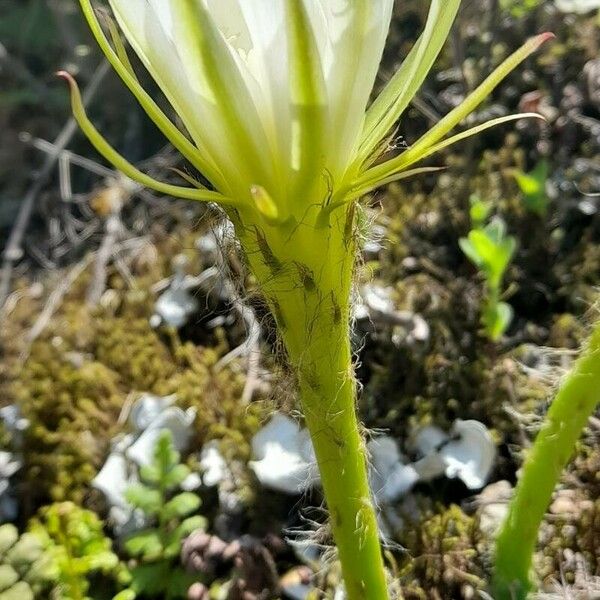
533 188
157 573
490 249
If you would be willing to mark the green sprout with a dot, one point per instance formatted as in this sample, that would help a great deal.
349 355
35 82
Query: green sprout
533 188
157 572
577 397
274 102
490 249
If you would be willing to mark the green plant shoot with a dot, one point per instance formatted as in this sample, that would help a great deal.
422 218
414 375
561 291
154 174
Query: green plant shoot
577 397
533 188
156 549
274 101
490 249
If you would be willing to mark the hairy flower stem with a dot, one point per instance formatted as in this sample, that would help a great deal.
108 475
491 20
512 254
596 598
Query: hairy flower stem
305 271
577 398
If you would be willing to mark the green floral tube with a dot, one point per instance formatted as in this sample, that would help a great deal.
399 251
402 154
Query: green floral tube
305 273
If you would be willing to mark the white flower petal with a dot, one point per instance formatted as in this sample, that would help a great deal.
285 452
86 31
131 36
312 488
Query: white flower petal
213 464
173 419
250 135
153 30
351 61
389 477
113 480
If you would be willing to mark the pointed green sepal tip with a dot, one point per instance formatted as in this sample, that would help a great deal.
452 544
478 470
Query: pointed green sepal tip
121 163
264 203
541 38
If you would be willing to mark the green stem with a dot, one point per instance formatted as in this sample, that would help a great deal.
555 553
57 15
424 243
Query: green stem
305 272
328 396
576 400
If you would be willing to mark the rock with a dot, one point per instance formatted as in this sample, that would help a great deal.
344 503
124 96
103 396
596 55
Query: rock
471 456
285 459
493 507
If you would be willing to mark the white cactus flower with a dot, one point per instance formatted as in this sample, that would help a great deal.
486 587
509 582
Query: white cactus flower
274 96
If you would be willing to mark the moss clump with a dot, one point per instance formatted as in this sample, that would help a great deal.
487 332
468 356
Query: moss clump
134 351
72 407
442 559
571 538
88 361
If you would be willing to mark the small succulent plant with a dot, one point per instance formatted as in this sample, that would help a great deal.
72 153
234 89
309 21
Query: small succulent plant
75 539
28 566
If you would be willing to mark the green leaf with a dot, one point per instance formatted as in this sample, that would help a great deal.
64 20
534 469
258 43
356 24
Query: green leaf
9 535
176 537
479 211
496 231
470 251
165 455
533 188
125 595
147 499
150 474
181 506
491 250
176 476
8 577
146 543
498 319
121 163
20 591
151 580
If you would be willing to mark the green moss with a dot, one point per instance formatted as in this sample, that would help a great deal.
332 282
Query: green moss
134 351
571 540
72 408
442 559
